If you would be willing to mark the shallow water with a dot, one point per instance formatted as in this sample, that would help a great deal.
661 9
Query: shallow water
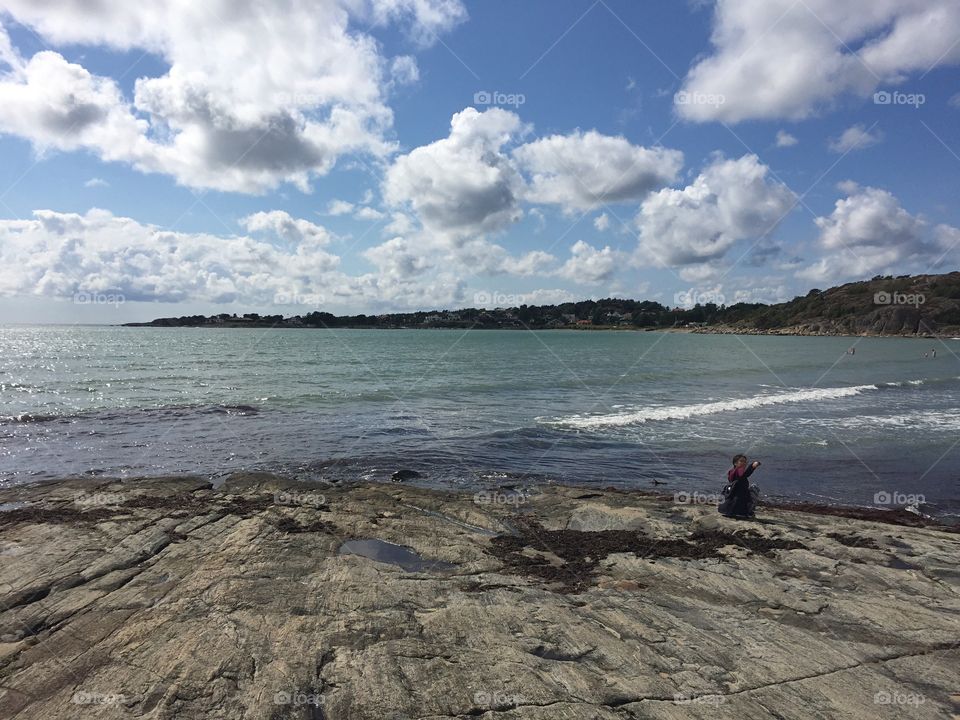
392 554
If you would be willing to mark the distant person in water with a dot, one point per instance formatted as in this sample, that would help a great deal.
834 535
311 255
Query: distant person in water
739 498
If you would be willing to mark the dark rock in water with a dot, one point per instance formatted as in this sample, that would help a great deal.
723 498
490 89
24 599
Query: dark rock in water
401 475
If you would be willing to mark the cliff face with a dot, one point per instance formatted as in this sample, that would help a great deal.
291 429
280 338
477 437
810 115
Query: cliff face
171 599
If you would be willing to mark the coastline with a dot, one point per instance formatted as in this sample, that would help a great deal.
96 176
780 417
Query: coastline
709 330
168 597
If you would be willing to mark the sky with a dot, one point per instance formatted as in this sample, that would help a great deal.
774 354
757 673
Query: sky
169 158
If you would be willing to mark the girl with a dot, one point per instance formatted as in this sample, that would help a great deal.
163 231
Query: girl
738 499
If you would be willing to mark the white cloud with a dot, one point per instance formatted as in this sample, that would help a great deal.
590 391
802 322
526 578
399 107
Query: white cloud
59 105
396 259
462 185
730 201
535 262
601 222
339 207
400 224
590 266
275 95
869 232
786 59
96 182
584 170
404 70
870 218
855 137
8 54
368 213
294 231
785 139
61 254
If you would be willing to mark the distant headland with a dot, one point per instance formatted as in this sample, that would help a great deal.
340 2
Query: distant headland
907 305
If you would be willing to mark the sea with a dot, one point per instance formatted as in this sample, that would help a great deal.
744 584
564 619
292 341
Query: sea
487 409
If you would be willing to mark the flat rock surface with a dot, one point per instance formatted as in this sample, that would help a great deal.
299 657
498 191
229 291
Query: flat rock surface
169 598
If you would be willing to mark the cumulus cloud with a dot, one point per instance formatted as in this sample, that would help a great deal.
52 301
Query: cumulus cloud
404 70
730 201
59 105
369 214
96 182
398 260
275 95
339 207
786 59
62 254
855 137
869 232
464 184
585 170
588 265
785 139
293 231
601 222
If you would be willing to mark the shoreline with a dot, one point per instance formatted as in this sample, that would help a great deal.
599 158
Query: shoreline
778 332
267 597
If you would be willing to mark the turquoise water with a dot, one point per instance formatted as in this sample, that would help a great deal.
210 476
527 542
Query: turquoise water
486 407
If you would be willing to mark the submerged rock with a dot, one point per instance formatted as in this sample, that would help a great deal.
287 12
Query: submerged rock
401 475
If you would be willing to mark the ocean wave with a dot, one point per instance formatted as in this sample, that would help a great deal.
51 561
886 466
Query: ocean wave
130 413
682 412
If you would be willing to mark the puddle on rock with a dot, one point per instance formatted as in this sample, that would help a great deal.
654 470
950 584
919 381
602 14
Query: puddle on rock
399 555
15 505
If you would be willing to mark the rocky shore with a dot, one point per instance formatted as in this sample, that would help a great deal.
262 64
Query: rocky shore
265 598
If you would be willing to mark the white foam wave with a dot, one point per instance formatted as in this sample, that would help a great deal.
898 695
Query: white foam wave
682 412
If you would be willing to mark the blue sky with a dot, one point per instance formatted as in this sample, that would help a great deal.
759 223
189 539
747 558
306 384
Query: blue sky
632 150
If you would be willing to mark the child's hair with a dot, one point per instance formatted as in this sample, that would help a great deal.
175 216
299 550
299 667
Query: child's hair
738 457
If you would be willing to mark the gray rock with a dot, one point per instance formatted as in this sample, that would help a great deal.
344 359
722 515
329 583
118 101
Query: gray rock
183 601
